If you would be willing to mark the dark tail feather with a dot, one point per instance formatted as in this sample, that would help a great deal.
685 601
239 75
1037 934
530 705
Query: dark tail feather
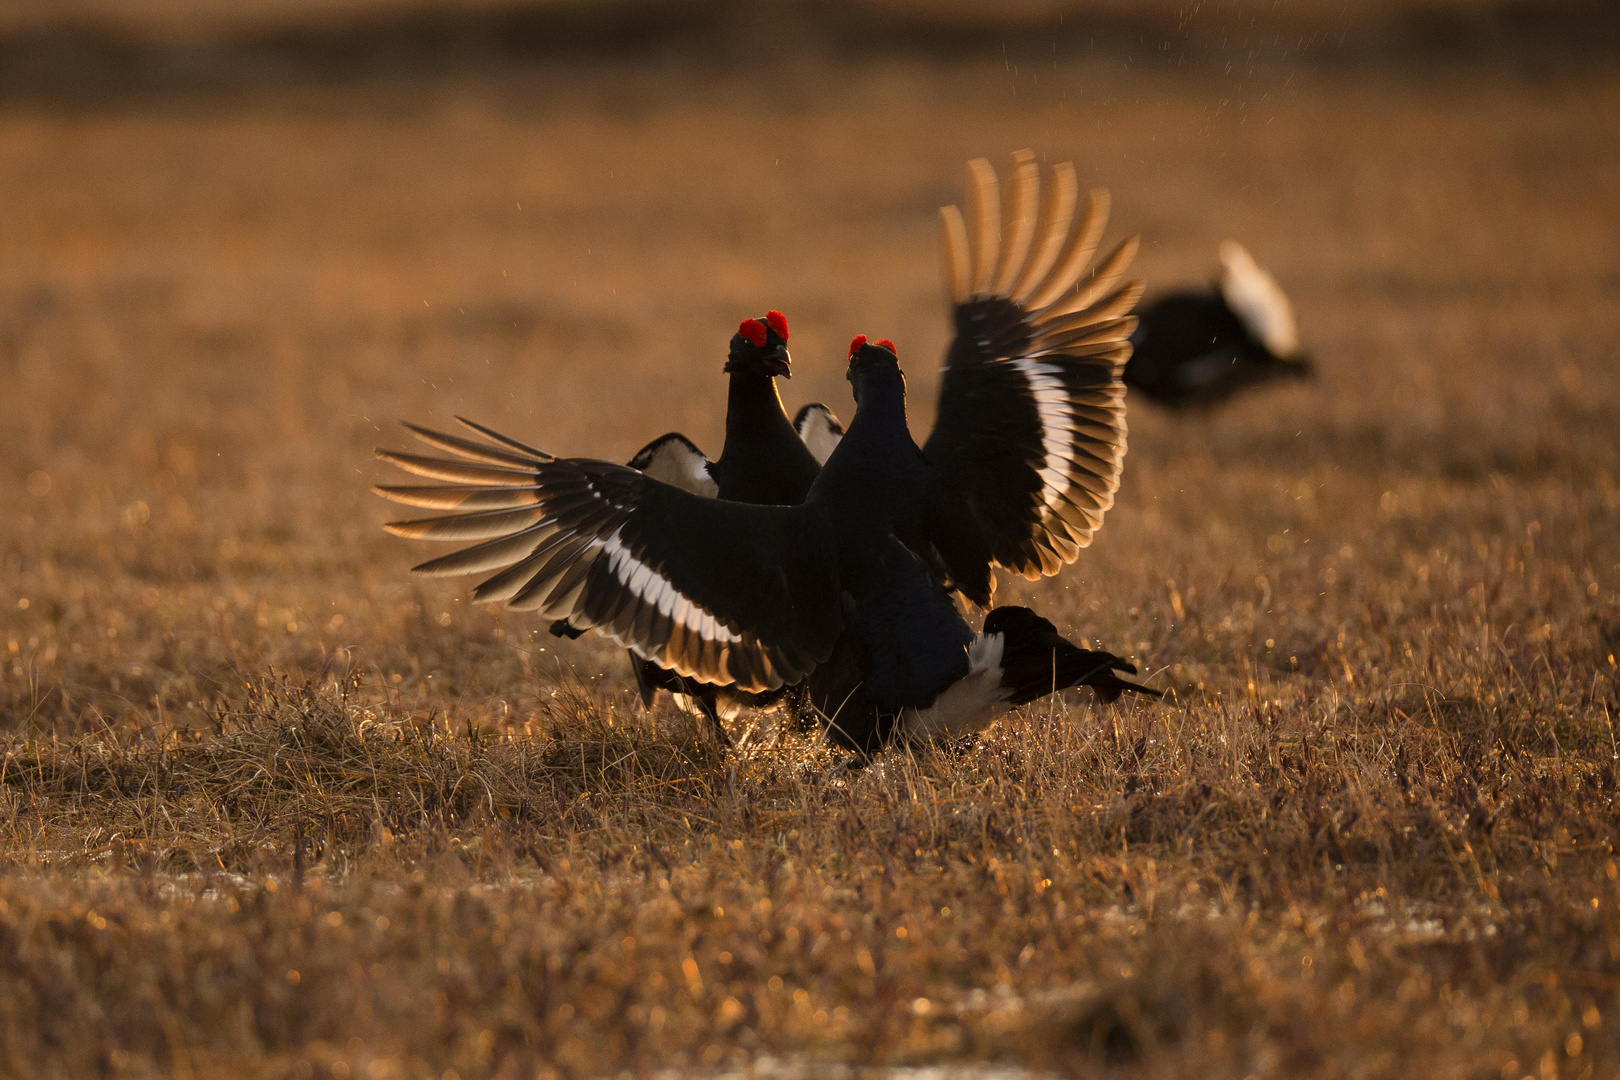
564 629
1035 676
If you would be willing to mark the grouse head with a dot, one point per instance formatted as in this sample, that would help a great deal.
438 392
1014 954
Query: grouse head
1018 624
871 363
760 347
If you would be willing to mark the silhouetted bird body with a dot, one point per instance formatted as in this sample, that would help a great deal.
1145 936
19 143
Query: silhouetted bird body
908 665
763 461
1200 348
904 644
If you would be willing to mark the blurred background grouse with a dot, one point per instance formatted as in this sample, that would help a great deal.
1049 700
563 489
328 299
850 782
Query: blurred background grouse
850 589
1198 348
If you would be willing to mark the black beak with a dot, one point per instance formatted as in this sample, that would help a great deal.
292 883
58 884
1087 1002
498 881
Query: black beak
779 362
743 358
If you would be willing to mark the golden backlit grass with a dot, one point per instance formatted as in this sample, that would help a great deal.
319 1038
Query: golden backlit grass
272 808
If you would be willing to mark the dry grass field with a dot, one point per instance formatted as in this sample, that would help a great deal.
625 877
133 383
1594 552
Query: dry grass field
272 808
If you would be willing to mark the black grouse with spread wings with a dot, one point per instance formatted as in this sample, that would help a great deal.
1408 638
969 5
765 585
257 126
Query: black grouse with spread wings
1023 462
754 597
1030 428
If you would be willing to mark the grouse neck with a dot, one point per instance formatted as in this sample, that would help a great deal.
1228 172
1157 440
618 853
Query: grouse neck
868 484
753 406
880 416
764 460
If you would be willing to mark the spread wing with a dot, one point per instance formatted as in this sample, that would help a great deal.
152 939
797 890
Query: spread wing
820 430
1031 422
673 459
676 460
720 592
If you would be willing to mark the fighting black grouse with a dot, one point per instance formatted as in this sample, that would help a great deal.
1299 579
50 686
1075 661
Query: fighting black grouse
762 596
762 461
1030 426
1028 380
1200 348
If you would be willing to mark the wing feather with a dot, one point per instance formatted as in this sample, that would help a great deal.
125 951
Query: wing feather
455 497
1084 337
1116 304
1054 231
460 472
1031 421
983 200
506 586
504 440
484 557
1082 245
719 592
954 249
474 525
1019 227
1104 277
466 448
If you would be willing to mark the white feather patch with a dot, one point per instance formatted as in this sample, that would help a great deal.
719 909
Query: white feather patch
655 590
1055 410
821 432
677 463
970 704
1258 301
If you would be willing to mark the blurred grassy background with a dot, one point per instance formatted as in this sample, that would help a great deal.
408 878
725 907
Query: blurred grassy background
242 240
89 49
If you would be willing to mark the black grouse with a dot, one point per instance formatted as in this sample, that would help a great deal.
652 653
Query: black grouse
1030 421
763 461
1030 427
1200 348
849 588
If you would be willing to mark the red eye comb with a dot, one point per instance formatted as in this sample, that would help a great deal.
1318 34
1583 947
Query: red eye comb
887 344
753 332
860 339
778 322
